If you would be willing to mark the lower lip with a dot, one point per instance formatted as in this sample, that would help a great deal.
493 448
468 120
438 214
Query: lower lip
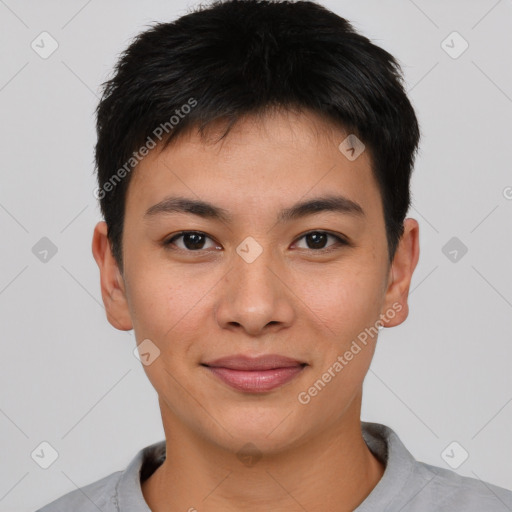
256 381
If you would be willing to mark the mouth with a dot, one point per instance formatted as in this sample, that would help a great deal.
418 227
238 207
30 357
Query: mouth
255 374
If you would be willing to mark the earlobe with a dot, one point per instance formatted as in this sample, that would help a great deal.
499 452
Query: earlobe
113 290
404 262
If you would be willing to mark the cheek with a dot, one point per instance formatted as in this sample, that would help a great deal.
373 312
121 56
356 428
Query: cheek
345 299
164 306
165 310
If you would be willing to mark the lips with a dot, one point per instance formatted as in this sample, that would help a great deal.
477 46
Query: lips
264 362
255 374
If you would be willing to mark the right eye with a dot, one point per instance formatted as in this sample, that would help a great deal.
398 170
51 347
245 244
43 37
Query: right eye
190 241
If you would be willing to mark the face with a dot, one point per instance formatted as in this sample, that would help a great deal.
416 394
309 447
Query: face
254 274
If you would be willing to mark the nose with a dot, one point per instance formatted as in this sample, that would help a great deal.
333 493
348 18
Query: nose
255 297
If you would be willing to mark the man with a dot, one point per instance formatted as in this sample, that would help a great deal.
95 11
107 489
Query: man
254 161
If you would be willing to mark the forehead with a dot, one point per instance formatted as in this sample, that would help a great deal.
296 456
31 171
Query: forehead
278 158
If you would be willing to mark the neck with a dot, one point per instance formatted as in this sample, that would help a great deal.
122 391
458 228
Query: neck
333 470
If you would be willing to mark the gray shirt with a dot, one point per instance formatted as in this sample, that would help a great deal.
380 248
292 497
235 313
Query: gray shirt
406 484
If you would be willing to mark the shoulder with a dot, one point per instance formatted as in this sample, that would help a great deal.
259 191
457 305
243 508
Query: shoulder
450 492
99 495
414 486
118 491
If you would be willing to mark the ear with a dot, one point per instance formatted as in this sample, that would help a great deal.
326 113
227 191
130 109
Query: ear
113 289
400 275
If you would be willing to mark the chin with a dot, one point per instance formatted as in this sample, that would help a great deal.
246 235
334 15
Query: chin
270 431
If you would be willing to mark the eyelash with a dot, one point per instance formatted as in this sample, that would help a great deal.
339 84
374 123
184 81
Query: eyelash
340 241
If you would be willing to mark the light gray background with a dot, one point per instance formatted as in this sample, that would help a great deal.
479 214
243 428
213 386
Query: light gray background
69 378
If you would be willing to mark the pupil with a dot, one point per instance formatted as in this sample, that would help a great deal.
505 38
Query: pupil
194 239
317 240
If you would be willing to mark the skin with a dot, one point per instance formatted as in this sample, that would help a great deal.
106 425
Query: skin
293 299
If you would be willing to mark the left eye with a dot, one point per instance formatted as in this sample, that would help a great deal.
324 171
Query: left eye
318 239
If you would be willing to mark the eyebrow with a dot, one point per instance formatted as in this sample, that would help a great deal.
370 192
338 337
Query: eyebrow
330 203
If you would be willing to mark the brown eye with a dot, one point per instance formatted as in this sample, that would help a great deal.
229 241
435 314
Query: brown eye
190 241
317 240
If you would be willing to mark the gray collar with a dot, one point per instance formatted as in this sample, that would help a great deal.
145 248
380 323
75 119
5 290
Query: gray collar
381 440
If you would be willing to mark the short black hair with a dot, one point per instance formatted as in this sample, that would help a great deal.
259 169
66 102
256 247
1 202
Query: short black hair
234 58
